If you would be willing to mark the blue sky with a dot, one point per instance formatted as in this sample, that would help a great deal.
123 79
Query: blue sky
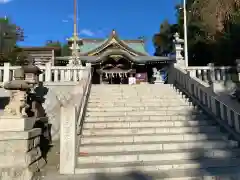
44 20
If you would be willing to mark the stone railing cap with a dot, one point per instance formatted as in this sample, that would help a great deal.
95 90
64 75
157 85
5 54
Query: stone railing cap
17 85
32 69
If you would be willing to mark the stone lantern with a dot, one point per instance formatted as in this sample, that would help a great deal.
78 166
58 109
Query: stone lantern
31 73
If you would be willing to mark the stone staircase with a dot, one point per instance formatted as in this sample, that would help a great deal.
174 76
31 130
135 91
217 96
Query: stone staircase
151 129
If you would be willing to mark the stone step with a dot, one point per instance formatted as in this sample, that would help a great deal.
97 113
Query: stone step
149 130
134 124
131 174
170 95
153 118
132 91
203 177
129 88
151 138
135 104
138 88
111 98
153 156
140 113
163 169
135 100
158 146
147 108
134 96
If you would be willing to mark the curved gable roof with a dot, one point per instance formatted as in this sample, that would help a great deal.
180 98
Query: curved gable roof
135 46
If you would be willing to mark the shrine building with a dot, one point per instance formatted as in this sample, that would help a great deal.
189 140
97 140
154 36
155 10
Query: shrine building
114 58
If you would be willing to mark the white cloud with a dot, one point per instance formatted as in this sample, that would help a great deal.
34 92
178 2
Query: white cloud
65 21
87 32
5 1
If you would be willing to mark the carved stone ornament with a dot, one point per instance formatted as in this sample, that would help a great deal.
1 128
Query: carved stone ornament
17 104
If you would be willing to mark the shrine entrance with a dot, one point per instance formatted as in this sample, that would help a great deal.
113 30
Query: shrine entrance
115 76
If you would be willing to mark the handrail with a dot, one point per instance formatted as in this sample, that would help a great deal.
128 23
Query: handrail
83 102
207 67
229 119
206 110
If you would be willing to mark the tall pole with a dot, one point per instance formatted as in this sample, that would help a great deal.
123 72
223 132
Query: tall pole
185 33
75 25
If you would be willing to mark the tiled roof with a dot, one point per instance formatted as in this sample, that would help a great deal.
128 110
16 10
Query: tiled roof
91 44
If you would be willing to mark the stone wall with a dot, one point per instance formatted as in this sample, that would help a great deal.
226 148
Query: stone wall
20 154
57 95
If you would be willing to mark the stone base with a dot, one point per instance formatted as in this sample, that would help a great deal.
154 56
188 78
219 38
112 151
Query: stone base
16 123
158 82
20 154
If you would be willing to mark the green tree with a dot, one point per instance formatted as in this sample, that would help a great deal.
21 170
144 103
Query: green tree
65 51
10 34
213 31
163 40
51 43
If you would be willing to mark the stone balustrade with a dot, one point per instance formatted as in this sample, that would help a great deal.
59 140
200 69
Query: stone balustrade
226 113
221 73
50 73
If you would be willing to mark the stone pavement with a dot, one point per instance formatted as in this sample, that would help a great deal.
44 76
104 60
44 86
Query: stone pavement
52 167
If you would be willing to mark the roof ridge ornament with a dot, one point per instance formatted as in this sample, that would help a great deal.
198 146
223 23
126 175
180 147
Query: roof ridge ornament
114 32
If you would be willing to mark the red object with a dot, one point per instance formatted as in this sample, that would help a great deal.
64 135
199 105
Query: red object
83 153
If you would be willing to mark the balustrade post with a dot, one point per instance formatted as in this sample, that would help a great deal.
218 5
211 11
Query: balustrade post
192 72
213 105
48 72
211 76
6 72
238 68
88 69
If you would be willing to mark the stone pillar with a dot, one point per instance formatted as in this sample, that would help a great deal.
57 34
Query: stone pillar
19 140
216 86
48 72
238 69
211 75
52 57
237 91
68 137
6 72
100 78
